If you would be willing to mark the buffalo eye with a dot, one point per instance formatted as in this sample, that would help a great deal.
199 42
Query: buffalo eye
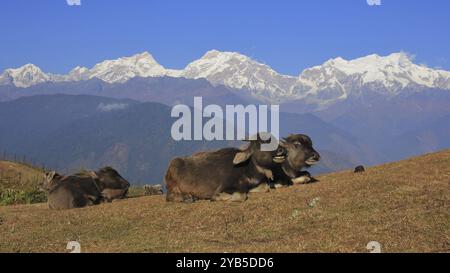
297 143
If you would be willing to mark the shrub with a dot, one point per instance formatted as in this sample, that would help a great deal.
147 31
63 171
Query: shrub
35 196
12 196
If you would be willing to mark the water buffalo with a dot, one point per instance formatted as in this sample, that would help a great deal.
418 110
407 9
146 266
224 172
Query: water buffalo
87 189
359 169
66 192
300 155
224 175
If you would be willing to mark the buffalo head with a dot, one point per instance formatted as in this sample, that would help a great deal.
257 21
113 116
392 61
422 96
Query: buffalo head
113 185
300 154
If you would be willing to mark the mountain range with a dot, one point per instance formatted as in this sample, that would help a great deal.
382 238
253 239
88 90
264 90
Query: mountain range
320 86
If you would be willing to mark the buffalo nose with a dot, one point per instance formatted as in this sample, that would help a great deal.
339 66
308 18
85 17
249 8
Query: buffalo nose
316 156
281 151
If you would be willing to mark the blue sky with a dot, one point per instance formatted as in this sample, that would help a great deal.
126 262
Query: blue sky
287 35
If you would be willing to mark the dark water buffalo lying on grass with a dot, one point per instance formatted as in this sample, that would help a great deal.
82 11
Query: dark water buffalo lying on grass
226 174
80 190
360 169
300 155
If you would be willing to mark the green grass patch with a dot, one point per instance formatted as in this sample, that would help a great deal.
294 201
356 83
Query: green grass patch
14 197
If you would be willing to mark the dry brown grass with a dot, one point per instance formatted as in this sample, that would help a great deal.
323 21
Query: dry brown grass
404 206
19 176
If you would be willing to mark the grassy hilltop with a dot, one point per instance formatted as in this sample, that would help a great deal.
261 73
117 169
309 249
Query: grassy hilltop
405 206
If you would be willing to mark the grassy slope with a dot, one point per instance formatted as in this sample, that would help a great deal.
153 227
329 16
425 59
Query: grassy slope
405 206
18 176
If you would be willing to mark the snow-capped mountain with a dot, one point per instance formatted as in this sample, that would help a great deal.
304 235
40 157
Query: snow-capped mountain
79 73
335 80
24 76
120 70
238 71
111 71
338 79
123 69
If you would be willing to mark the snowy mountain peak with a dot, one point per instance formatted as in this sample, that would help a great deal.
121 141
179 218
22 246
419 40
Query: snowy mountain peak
78 73
144 54
223 56
238 71
125 68
79 69
338 79
24 76
371 61
28 67
396 59
400 68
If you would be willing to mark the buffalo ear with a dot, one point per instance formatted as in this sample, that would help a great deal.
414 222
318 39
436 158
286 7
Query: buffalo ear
241 157
50 175
49 180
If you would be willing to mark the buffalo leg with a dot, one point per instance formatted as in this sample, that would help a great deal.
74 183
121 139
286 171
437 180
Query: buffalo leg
235 197
174 197
239 197
301 180
180 197
263 187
